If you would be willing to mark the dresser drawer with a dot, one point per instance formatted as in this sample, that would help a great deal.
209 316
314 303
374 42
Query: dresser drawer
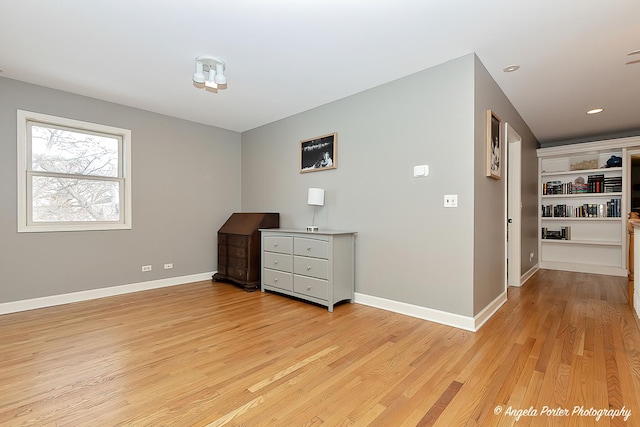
237 273
241 241
237 251
313 267
278 244
310 247
277 279
276 261
238 262
312 287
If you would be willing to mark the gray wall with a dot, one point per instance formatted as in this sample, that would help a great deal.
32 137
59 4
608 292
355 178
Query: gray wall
186 182
489 209
409 247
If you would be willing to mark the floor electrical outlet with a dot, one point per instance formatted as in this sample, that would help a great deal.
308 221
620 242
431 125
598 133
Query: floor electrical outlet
146 268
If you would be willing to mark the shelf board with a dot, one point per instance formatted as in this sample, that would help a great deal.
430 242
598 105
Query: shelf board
583 242
579 172
575 218
579 195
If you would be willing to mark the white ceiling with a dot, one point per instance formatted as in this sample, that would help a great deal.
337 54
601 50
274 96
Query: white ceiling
284 57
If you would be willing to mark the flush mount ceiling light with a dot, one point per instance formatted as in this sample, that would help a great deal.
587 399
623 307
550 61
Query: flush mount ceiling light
595 111
511 68
210 72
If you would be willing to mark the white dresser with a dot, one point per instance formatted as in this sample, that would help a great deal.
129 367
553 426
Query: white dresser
314 266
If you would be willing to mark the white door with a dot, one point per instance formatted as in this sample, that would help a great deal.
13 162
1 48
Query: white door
514 206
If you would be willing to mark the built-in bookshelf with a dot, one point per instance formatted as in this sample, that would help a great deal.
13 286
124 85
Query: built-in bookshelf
583 200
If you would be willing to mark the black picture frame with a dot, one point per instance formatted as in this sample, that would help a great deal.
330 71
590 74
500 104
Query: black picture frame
494 146
319 153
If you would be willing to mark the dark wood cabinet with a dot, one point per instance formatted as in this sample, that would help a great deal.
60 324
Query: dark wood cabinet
239 248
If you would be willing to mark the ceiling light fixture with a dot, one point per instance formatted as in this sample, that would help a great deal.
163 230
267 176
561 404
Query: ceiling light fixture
595 111
511 68
214 68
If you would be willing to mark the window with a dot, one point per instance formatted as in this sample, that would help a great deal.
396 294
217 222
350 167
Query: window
72 175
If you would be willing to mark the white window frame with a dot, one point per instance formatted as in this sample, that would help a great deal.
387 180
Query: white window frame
25 224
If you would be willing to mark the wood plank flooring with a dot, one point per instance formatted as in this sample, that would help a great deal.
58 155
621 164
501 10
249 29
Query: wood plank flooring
209 354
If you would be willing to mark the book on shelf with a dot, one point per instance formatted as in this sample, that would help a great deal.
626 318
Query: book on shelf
613 184
596 183
563 234
610 209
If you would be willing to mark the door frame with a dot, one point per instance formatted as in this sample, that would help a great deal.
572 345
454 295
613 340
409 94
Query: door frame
513 208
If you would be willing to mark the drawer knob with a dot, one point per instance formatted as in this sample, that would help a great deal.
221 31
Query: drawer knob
276 262
275 245
308 288
308 267
308 248
275 280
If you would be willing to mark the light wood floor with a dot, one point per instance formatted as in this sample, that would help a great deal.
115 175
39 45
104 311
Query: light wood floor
211 354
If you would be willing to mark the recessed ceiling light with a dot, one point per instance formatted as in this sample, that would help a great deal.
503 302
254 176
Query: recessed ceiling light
595 111
511 68
635 61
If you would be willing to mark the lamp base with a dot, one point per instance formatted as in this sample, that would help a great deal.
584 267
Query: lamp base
312 228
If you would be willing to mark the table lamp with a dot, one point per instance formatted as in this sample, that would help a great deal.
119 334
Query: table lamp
315 198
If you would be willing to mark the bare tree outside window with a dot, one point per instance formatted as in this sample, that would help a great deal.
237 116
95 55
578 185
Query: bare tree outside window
74 175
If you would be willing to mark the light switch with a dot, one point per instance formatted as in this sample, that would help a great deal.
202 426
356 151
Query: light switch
420 170
450 200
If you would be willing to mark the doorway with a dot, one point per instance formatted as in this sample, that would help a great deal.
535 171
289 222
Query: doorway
513 264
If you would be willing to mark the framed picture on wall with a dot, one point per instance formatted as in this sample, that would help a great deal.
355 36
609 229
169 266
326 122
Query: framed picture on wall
319 153
494 145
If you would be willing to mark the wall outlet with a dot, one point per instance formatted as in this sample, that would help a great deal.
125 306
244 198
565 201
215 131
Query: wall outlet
146 268
531 256
168 266
450 200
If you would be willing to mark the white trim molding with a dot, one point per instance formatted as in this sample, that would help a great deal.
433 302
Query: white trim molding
467 323
26 224
481 318
53 300
529 274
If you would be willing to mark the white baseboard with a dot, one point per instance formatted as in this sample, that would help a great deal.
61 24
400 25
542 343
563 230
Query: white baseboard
526 276
445 318
30 304
584 268
488 312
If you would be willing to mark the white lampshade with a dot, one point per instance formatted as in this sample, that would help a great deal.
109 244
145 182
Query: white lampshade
211 80
220 78
198 76
316 197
